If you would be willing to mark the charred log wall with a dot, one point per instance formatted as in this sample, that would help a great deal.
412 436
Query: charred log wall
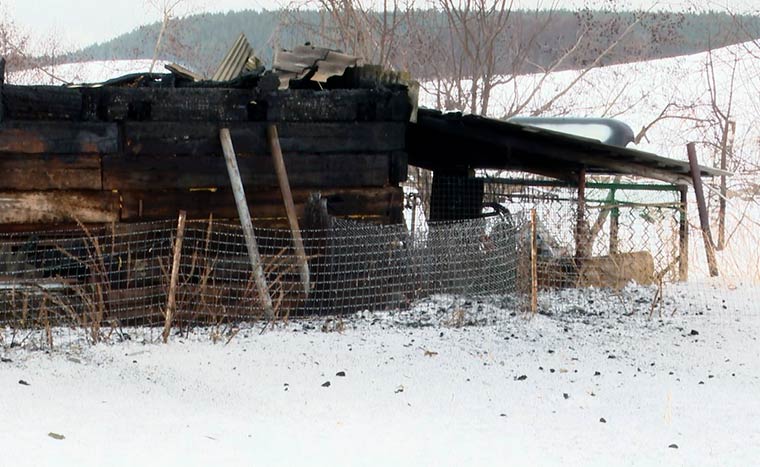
122 154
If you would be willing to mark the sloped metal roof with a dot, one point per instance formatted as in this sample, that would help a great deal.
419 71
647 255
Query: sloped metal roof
454 141
238 59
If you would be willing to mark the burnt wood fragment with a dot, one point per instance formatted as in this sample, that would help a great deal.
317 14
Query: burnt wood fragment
41 137
41 103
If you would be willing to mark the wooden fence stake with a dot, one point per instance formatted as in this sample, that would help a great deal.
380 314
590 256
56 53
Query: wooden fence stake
533 262
290 208
704 220
245 222
171 301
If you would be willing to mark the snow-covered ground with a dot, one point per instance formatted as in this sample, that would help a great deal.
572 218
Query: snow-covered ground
83 72
456 382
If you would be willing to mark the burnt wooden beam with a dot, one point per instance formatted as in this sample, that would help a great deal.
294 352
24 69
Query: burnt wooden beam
42 103
683 235
41 137
581 236
52 207
168 104
337 105
50 172
178 138
185 172
348 202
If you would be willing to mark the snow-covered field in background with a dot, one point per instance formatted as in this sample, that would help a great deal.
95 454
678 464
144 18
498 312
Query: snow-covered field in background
598 384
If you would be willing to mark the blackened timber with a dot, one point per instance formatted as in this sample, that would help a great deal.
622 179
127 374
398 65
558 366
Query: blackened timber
28 207
304 105
42 103
50 172
185 172
168 104
42 137
362 202
194 138
2 85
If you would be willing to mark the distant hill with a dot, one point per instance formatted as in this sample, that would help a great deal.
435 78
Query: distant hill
200 41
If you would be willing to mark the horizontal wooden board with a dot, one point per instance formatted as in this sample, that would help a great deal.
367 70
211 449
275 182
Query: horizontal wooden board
42 137
50 172
184 172
168 104
302 105
41 103
58 207
146 205
177 138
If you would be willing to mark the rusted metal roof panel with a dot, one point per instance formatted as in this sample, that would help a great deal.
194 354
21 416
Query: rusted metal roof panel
318 63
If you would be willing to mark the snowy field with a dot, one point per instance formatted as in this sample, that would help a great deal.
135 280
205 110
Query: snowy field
455 382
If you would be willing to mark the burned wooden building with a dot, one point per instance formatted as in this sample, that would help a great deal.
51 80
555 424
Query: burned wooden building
143 147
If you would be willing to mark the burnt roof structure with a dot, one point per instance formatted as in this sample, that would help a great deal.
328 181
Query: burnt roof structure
456 142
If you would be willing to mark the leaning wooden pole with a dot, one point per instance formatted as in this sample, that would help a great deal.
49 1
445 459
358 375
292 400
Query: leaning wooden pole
704 220
290 207
581 234
171 301
245 222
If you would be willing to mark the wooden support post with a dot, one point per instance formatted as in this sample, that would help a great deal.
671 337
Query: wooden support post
683 236
580 227
245 222
726 148
171 301
533 262
704 220
290 208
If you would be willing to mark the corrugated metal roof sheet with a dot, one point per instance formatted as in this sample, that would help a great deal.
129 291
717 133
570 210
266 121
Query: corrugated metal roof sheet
318 63
238 59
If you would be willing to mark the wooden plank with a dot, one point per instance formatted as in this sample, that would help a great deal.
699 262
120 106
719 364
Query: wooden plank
171 301
353 202
182 172
58 207
50 172
683 236
42 103
2 85
290 209
41 137
195 138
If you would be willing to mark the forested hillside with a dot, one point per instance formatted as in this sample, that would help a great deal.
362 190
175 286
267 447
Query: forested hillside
525 41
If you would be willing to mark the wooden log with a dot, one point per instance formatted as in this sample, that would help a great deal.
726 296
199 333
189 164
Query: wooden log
58 207
337 105
257 172
169 104
50 172
39 137
176 256
42 103
349 202
704 219
290 209
245 221
201 139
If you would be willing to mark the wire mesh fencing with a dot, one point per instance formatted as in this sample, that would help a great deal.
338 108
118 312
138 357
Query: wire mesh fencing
120 275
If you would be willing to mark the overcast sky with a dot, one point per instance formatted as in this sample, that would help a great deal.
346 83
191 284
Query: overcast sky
78 23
